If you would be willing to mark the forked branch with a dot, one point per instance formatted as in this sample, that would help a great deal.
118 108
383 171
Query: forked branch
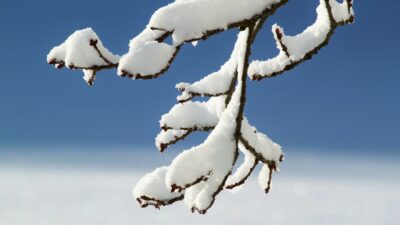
294 50
199 174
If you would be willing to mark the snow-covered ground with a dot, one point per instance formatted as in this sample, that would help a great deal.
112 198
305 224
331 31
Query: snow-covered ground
94 187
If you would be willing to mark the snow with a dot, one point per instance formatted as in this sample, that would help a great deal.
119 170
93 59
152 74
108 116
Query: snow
191 19
83 187
146 57
270 66
202 170
76 51
198 174
150 58
185 95
299 46
89 76
152 185
244 169
194 114
261 143
195 43
169 136
187 21
211 161
191 193
341 11
216 83
264 178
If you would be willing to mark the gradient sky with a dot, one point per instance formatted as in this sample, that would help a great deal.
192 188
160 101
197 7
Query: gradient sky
347 97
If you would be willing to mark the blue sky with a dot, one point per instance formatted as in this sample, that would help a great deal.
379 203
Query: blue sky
347 97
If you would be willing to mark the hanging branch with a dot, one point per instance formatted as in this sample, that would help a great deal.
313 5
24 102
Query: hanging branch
244 171
199 174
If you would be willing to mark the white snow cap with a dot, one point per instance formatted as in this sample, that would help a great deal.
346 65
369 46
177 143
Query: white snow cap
261 143
89 76
185 20
152 189
191 19
146 57
78 51
214 84
194 115
168 137
243 171
264 178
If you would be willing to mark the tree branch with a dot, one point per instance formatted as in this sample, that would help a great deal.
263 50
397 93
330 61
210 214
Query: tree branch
278 65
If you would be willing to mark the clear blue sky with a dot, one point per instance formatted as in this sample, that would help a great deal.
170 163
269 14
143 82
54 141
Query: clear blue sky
347 97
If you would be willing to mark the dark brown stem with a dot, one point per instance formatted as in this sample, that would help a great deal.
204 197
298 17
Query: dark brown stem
145 201
190 129
252 150
271 168
164 146
243 180
241 80
93 43
279 36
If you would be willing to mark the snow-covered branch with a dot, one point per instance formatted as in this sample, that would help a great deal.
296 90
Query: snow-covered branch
244 171
148 57
293 50
194 115
196 20
83 50
199 174
169 137
152 190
